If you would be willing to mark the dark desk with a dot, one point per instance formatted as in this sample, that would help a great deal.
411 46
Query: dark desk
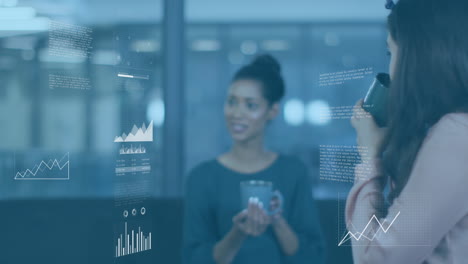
81 232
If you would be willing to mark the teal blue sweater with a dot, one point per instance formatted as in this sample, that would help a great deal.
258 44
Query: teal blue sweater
213 198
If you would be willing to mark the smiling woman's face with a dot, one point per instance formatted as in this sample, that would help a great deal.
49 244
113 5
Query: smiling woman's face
247 111
393 50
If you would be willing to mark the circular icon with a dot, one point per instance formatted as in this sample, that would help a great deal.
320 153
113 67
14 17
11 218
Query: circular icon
134 212
125 213
143 211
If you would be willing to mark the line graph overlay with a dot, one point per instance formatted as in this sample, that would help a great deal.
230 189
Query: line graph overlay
138 134
358 235
407 226
45 170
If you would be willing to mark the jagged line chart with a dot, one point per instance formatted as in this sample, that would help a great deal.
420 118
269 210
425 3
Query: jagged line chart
48 170
362 235
138 134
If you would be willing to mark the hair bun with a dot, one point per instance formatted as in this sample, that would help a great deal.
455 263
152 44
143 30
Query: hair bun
266 70
267 62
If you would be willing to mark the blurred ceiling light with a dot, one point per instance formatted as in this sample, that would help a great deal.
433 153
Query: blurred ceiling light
105 57
26 25
275 45
156 112
318 112
332 39
20 20
145 46
17 13
249 47
294 112
205 45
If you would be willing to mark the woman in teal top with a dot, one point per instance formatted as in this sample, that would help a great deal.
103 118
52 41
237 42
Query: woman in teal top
216 227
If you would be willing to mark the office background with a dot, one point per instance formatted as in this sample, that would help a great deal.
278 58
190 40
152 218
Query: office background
191 49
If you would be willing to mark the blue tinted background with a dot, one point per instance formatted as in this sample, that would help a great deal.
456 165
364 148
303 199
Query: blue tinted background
38 123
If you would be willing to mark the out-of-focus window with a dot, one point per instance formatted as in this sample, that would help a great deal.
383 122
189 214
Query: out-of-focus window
307 52
76 74
81 117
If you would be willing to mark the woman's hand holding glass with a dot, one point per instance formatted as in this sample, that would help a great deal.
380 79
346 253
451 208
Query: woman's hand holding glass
254 220
369 135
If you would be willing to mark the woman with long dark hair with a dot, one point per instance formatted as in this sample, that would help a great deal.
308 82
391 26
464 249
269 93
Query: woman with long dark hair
218 228
423 154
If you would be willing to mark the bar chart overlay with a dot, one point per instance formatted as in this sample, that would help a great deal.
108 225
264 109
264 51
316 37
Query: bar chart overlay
132 150
132 242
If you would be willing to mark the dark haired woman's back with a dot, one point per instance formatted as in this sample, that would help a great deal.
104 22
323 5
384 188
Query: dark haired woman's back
423 154
431 213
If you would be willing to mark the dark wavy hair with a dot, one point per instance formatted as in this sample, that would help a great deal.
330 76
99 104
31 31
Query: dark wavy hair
266 70
430 80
